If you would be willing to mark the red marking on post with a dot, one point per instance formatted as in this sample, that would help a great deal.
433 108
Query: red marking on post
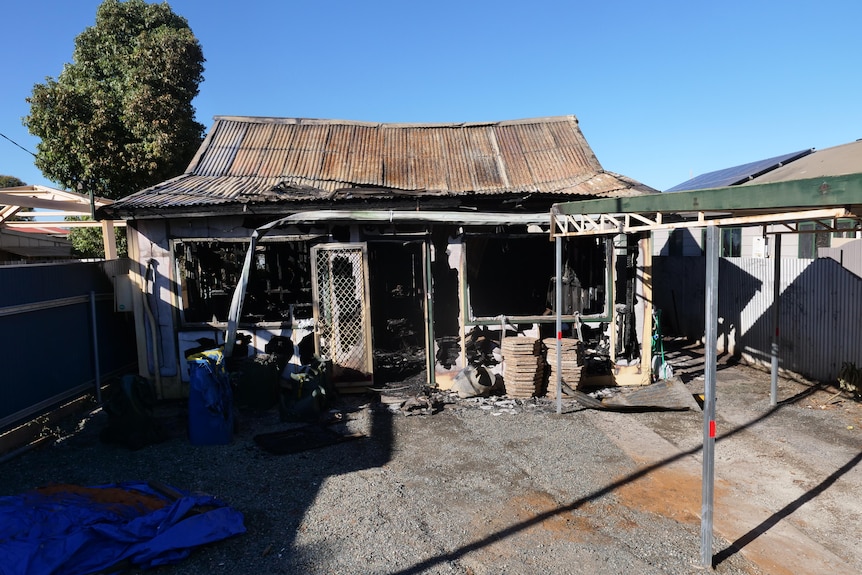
712 428
559 335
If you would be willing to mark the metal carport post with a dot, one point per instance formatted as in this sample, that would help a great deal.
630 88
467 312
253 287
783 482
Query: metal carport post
711 318
710 336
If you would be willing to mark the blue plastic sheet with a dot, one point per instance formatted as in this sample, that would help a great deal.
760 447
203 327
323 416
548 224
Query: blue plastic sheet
73 530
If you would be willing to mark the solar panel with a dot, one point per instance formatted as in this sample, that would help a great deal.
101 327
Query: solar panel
737 174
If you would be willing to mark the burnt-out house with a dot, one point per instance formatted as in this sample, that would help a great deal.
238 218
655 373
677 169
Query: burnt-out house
383 247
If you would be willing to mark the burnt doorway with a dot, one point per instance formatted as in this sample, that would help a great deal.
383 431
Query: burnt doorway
398 321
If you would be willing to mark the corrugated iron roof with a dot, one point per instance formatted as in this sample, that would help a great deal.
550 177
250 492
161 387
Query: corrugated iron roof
250 160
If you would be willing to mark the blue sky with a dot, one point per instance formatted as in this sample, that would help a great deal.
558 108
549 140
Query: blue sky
663 90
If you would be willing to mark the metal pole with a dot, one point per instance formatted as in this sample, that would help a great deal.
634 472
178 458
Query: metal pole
776 315
96 348
558 304
429 313
710 336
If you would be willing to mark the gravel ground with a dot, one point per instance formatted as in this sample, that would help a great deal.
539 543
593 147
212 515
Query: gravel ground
500 486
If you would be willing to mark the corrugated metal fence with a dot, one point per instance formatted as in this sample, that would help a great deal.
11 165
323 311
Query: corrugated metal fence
820 310
50 318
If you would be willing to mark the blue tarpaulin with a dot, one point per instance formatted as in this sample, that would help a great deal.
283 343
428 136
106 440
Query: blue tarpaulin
72 530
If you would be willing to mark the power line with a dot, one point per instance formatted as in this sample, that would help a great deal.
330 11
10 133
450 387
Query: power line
17 144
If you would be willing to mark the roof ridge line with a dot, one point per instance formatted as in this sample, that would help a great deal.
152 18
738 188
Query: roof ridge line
336 121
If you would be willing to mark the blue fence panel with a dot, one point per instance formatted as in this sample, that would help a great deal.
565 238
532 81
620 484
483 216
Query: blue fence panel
47 335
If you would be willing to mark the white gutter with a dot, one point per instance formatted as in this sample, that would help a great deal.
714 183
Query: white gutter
399 216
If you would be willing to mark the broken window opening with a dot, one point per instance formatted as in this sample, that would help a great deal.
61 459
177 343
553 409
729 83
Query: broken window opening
514 276
278 289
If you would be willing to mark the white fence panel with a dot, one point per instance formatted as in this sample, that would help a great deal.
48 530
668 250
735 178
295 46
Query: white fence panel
820 310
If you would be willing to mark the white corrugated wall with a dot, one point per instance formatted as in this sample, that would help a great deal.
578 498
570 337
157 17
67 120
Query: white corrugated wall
820 307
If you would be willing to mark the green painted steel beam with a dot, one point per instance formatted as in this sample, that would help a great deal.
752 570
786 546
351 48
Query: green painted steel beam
824 192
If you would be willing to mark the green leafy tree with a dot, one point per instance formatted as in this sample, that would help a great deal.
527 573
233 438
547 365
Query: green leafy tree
120 118
87 242
10 182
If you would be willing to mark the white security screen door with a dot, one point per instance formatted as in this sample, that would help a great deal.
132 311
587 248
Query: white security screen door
341 311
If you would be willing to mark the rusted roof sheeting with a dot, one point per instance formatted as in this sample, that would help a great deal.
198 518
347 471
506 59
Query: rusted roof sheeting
261 160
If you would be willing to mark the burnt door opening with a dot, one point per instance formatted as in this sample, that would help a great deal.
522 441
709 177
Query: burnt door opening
396 283
446 301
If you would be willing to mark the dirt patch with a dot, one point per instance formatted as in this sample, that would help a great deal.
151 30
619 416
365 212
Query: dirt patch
670 493
541 507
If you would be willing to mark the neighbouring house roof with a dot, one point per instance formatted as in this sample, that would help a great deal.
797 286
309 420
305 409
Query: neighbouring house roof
37 230
29 245
39 251
736 175
835 161
271 161
805 164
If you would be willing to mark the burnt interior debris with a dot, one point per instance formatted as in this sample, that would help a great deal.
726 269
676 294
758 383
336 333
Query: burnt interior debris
448 351
482 347
597 350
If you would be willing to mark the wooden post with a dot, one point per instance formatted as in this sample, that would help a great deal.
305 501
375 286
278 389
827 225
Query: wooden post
109 239
646 343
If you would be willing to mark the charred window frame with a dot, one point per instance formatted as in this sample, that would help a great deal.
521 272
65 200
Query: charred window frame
513 275
278 289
